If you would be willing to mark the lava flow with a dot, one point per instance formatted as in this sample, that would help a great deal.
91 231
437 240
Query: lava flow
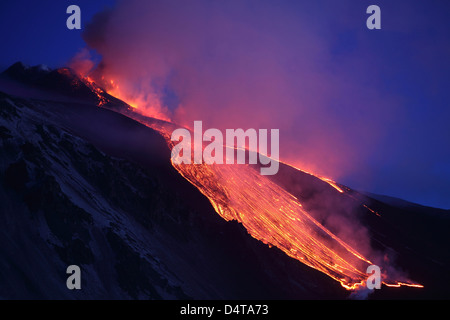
97 90
273 215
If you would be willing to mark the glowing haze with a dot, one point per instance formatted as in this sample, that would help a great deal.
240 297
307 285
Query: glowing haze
257 64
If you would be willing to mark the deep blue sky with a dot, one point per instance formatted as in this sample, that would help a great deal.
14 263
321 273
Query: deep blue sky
35 31
407 62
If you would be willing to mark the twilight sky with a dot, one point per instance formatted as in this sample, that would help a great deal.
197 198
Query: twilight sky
368 108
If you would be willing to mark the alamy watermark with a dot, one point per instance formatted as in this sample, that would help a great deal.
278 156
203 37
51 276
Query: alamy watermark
220 150
74 280
374 279
73 22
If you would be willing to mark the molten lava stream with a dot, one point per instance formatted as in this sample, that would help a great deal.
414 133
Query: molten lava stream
271 214
275 217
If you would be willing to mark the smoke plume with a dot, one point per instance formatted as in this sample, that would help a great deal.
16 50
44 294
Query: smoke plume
243 64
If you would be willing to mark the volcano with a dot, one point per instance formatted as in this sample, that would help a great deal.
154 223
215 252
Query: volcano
87 180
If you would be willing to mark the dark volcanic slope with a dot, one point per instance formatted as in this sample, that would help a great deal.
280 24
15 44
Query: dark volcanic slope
87 186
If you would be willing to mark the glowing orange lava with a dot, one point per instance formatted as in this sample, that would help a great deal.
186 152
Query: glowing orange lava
271 214
141 103
277 218
97 90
